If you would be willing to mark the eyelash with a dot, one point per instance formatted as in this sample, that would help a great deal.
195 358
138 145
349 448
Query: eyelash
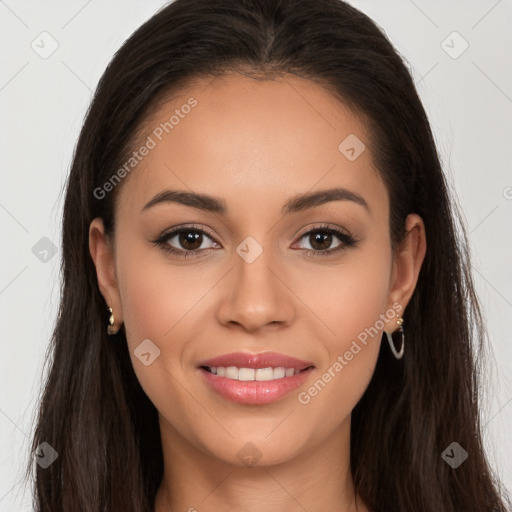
346 239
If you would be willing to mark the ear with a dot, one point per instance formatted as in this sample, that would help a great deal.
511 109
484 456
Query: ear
102 253
407 262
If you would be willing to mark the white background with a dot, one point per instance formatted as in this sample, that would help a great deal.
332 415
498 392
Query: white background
42 105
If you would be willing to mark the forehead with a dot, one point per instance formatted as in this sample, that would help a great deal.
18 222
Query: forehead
248 140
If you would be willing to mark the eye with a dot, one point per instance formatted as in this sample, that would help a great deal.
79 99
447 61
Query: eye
189 240
321 238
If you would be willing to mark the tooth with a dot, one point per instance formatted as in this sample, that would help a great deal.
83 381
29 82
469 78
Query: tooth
279 372
264 374
251 374
246 374
232 372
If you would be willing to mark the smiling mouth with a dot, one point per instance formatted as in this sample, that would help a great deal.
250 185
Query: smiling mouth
253 374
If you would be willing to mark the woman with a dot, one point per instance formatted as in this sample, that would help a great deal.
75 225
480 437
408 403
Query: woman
266 304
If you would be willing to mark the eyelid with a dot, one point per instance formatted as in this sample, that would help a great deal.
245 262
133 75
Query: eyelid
321 226
193 227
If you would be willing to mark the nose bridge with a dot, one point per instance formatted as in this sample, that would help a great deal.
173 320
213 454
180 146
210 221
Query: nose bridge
256 297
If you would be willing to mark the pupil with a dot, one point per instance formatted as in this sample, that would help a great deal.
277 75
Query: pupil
318 236
189 237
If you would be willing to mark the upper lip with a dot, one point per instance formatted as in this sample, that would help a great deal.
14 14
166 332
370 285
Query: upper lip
260 360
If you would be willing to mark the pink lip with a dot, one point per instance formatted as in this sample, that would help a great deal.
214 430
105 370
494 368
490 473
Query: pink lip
261 360
256 392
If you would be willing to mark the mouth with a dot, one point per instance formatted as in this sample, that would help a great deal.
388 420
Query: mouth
255 379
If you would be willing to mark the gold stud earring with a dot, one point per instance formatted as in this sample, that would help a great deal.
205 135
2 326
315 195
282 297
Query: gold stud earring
110 328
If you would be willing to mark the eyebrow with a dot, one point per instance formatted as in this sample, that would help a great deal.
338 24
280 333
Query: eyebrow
297 203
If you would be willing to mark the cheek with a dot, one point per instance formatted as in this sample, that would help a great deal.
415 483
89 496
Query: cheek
337 388
159 303
349 297
351 302
158 298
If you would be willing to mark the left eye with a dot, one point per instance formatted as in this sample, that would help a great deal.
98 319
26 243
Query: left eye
322 239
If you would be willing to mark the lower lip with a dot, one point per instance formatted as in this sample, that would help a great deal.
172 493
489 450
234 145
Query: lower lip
255 392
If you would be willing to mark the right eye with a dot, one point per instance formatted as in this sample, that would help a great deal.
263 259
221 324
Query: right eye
190 239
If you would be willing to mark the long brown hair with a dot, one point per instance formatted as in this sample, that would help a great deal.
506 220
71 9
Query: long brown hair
93 411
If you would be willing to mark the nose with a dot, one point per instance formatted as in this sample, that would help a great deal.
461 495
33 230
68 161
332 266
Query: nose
255 295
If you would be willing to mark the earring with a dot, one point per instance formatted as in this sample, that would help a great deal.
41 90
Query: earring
400 353
110 328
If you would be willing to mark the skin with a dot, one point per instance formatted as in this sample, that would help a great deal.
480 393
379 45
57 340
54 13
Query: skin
255 144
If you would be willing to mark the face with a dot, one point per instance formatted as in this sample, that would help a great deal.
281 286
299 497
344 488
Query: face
263 272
